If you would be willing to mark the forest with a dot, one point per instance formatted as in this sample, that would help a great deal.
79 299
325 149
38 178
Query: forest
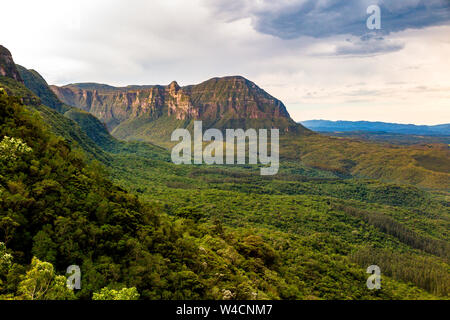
141 227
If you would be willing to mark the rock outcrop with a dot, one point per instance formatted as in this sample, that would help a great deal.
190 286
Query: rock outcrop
228 98
7 65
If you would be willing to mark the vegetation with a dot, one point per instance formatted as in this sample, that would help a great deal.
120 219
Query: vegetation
393 138
390 163
111 294
141 227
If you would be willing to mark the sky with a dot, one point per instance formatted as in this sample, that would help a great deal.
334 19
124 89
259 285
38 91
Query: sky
317 56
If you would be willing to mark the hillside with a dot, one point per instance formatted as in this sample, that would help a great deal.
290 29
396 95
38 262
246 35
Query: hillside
89 124
57 122
391 138
66 212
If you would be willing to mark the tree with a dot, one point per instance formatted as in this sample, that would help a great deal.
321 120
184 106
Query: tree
42 283
5 263
5 259
11 148
8 225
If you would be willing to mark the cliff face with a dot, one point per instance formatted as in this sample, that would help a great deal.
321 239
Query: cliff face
235 98
7 65
229 98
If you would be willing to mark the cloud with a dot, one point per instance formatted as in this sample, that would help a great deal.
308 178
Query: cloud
155 42
368 45
325 18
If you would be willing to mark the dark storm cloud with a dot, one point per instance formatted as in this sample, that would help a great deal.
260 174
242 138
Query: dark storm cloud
325 18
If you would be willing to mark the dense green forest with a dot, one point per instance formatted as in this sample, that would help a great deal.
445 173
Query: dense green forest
142 227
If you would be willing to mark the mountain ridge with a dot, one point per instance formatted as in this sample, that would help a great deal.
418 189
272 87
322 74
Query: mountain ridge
424 166
376 126
227 102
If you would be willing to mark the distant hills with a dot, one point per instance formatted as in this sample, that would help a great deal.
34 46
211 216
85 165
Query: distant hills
367 126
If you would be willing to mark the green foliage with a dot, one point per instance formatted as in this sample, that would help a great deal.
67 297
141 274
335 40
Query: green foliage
5 264
389 226
294 205
41 283
426 272
71 132
393 138
94 129
34 81
14 88
389 163
111 294
12 148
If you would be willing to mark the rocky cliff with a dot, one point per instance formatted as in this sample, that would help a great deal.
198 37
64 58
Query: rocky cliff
218 99
7 65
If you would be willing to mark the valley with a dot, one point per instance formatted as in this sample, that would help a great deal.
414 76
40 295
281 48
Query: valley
100 190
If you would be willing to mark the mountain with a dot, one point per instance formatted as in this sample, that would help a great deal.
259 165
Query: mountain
151 113
424 166
7 66
367 126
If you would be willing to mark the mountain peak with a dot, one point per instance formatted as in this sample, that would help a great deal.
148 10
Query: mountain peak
7 65
229 79
173 86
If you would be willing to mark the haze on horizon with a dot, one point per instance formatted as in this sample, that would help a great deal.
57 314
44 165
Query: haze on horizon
318 57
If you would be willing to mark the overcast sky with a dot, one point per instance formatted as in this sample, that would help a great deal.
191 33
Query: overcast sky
318 57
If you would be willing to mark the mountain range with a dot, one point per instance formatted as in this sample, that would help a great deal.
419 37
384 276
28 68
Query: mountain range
98 117
367 126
